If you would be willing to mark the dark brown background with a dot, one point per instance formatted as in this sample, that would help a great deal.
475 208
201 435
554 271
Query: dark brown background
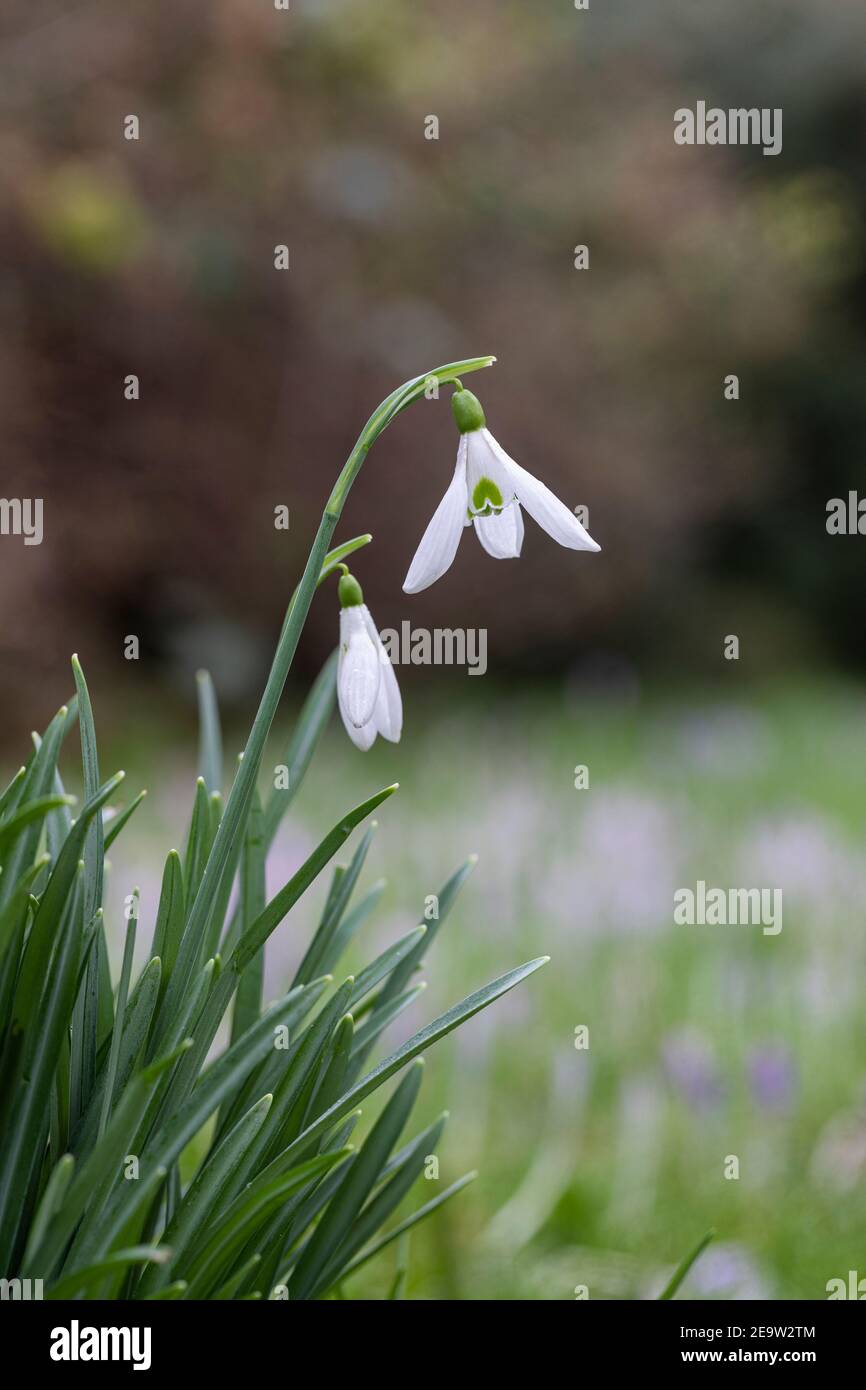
259 127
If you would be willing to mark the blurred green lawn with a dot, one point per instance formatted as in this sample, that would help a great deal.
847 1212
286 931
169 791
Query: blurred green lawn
603 1166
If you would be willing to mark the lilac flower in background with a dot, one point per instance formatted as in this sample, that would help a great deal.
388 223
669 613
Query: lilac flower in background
808 858
727 1271
772 1076
622 872
838 1163
690 1066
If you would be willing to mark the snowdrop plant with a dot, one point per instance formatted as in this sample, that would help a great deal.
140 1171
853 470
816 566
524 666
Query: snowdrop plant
487 491
133 1163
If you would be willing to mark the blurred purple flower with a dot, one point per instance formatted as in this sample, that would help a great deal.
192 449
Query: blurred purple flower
808 858
621 873
727 1271
772 1076
691 1067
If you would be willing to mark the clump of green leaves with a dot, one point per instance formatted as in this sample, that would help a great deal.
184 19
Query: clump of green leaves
102 1090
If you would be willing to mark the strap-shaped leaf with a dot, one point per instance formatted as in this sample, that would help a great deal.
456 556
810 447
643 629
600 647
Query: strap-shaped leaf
168 1142
258 933
361 1174
379 1020
117 1031
248 999
264 1078
38 780
684 1266
25 1127
172 1292
210 745
228 837
380 1206
401 977
254 938
49 1205
170 916
198 841
194 1213
117 823
249 1213
445 901
338 900
28 814
17 903
92 1276
301 1070
58 823
441 1026
96 1174
309 727
235 1280
286 1015
417 1216
332 1074
41 940
11 793
351 924
385 963
85 1019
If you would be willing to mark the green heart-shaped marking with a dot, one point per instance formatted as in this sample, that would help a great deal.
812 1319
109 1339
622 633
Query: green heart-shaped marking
486 497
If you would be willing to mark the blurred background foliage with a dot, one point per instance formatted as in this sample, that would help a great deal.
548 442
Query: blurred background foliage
307 128
155 257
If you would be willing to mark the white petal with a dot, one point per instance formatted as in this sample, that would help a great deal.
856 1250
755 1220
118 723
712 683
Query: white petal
388 715
482 461
501 534
362 738
543 505
358 670
439 543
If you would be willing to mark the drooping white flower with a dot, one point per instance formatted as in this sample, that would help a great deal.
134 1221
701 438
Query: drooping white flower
488 490
367 690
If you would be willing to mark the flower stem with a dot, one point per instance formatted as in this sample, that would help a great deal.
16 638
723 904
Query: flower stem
220 860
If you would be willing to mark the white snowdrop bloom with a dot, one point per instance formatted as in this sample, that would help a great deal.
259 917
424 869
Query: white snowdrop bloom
367 690
488 490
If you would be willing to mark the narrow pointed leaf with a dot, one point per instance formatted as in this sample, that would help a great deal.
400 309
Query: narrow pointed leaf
441 1026
684 1266
117 823
92 1275
360 1178
411 1221
210 756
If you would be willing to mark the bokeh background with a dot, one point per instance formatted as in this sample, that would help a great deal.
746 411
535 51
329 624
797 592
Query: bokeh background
156 257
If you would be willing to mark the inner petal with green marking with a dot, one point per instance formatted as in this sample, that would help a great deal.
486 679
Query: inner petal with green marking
486 498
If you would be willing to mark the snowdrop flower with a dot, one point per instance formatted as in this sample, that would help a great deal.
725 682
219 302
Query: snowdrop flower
367 690
488 489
